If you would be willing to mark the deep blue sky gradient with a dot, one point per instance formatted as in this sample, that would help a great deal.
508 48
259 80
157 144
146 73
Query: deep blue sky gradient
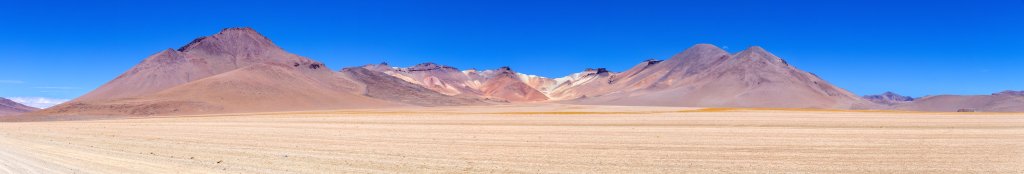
62 49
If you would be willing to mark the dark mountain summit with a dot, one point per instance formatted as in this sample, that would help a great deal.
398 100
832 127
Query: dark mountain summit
888 98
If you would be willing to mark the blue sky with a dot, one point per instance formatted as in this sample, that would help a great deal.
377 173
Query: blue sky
57 49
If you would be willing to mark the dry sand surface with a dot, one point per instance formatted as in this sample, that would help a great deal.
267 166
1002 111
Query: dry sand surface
523 139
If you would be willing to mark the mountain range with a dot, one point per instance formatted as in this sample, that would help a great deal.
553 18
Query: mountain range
240 70
1006 101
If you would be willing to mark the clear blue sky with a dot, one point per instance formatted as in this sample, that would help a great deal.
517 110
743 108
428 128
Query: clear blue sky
65 49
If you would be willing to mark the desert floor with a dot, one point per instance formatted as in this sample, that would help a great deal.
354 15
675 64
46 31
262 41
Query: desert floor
524 139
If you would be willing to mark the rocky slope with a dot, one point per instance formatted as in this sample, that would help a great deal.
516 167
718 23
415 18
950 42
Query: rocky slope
501 85
440 78
572 86
383 86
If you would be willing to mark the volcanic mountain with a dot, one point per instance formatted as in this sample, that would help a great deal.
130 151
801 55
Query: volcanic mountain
231 49
1006 101
235 70
8 107
706 76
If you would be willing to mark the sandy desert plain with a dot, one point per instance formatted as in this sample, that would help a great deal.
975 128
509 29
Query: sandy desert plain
523 138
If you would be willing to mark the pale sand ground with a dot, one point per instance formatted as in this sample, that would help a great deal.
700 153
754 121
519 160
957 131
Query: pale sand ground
524 139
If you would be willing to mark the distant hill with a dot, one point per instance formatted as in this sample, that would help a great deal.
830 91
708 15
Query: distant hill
1006 101
8 107
888 98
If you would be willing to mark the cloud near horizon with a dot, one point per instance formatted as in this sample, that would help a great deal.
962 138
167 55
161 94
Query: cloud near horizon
38 102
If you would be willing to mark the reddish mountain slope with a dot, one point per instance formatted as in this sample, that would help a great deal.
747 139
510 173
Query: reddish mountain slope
236 70
206 56
502 84
440 78
707 76
505 84
255 88
383 86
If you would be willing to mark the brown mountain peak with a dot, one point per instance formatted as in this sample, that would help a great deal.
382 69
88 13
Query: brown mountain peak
229 49
759 54
703 46
231 41
694 59
698 53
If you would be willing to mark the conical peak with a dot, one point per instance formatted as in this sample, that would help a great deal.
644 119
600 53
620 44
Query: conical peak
758 53
701 49
756 48
704 46
231 41
700 55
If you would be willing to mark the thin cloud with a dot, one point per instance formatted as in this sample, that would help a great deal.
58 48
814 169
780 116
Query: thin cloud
38 102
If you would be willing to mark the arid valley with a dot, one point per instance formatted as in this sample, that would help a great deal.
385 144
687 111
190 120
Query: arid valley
617 87
544 138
